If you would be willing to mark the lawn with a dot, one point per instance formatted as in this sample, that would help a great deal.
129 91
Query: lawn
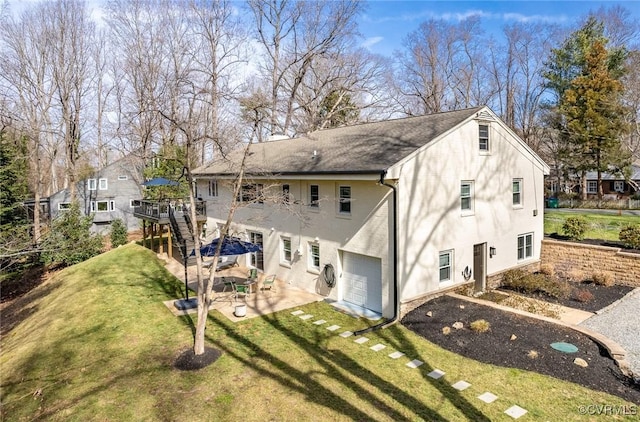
601 226
96 343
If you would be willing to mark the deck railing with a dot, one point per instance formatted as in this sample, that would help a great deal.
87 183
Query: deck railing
160 209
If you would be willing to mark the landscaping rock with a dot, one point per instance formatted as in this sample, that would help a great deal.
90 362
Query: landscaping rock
580 362
429 314
446 330
457 325
513 337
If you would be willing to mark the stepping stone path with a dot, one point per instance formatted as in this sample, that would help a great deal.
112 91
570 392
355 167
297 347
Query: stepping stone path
514 411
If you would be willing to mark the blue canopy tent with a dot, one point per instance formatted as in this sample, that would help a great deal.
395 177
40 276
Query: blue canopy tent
160 181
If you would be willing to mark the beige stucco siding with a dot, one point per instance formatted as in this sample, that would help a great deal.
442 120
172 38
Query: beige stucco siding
430 216
364 231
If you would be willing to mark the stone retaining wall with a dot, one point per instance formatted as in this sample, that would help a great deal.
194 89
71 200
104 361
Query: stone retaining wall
590 259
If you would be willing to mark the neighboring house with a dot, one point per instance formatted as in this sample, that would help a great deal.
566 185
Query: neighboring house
615 186
468 194
108 194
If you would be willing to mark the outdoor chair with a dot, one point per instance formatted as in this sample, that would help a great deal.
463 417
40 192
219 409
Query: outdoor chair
241 289
252 275
226 283
269 283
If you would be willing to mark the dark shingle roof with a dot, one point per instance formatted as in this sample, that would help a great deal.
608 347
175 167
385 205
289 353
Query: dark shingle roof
363 148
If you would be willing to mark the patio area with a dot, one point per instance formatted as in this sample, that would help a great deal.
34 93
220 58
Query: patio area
259 302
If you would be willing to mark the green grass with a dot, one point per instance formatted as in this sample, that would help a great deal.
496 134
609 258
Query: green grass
601 226
98 344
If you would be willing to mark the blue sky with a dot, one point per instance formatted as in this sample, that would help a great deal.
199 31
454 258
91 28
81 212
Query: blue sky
387 22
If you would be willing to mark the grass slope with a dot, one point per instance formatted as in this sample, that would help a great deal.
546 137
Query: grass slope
99 345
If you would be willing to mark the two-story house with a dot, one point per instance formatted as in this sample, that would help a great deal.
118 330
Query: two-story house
108 194
400 209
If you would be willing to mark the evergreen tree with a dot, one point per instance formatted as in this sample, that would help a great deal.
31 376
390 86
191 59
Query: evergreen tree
70 240
337 109
118 233
587 110
13 181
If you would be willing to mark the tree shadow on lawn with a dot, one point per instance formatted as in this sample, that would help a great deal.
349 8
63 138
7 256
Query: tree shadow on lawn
334 363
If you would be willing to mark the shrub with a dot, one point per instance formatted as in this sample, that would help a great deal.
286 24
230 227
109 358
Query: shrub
576 275
553 288
603 278
118 233
547 269
70 240
575 227
480 326
583 295
630 236
511 278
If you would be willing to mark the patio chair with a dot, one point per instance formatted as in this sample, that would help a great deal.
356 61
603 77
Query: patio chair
252 275
226 283
241 289
269 283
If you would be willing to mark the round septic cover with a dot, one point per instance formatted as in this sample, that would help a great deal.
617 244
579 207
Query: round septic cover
565 347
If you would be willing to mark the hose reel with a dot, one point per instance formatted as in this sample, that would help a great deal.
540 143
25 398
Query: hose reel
329 275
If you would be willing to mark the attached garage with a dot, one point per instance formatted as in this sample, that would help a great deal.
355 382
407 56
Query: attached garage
362 280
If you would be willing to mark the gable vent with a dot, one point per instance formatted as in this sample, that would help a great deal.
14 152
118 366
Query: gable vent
484 115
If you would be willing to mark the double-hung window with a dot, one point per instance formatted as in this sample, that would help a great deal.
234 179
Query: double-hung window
483 138
252 193
314 257
344 205
618 186
314 196
517 192
92 184
285 257
592 186
525 246
286 194
445 263
102 184
213 188
466 196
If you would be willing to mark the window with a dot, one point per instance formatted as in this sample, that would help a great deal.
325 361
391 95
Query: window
483 137
286 195
314 256
618 186
213 188
525 246
91 183
344 205
134 203
517 192
103 206
257 258
444 264
252 193
592 186
102 184
314 196
285 257
123 177
64 206
466 196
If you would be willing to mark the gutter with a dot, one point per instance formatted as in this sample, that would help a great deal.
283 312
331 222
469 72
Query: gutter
385 324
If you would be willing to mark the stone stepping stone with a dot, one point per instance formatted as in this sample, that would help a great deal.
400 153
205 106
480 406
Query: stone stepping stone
346 334
377 347
320 322
306 317
396 355
333 327
415 363
488 397
515 411
298 312
361 340
461 385
436 374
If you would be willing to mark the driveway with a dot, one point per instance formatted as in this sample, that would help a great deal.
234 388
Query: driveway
621 323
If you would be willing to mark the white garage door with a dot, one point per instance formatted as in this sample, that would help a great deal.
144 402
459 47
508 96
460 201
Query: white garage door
362 280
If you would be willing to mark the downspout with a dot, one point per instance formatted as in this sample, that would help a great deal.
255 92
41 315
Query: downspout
385 324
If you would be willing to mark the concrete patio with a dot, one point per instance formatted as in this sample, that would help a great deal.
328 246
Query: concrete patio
259 302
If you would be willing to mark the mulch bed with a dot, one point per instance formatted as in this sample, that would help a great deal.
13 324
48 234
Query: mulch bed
496 347
603 296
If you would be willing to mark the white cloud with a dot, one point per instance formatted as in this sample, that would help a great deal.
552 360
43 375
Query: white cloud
371 41
460 16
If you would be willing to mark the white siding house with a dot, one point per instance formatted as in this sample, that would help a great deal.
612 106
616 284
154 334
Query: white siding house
468 195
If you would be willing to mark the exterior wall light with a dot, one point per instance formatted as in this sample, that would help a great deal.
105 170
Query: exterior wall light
492 252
